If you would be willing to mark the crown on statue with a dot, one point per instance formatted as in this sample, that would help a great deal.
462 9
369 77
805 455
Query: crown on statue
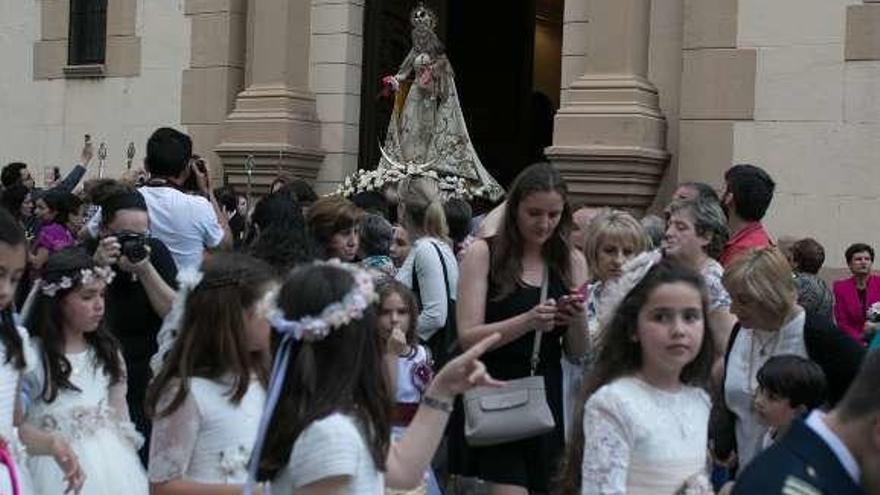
422 16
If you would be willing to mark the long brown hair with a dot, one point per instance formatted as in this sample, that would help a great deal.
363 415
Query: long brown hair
342 373
620 355
47 323
507 244
212 340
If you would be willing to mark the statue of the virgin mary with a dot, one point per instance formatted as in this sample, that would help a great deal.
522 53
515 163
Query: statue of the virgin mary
427 128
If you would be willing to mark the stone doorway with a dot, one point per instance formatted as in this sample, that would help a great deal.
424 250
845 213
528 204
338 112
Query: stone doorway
507 59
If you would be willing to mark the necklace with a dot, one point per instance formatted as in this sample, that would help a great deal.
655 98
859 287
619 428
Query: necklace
755 362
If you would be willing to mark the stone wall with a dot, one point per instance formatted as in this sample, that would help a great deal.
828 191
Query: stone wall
816 126
45 119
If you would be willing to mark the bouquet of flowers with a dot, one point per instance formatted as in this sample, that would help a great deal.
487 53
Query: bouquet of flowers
873 314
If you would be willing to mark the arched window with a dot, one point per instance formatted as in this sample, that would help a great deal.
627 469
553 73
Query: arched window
88 32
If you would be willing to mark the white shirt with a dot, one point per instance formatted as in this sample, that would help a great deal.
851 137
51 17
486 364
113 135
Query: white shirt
423 260
741 382
816 422
331 447
185 223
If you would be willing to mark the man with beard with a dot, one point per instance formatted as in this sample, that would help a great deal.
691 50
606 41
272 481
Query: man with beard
827 453
747 195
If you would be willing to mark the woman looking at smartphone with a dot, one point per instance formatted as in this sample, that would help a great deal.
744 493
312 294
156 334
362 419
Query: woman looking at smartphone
500 291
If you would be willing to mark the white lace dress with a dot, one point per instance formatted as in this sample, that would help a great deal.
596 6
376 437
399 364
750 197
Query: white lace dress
208 439
9 380
95 423
640 440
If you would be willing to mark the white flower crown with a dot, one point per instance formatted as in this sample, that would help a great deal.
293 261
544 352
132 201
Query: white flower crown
86 276
337 314
450 186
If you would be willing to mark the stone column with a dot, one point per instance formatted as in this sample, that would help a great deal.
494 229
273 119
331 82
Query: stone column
274 118
610 136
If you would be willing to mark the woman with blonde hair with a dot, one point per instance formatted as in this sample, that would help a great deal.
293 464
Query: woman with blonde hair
430 269
612 238
764 296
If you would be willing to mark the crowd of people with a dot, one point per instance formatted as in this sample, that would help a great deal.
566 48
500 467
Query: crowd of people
162 336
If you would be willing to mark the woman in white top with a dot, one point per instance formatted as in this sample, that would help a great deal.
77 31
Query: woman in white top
328 407
696 232
770 323
645 421
207 398
430 268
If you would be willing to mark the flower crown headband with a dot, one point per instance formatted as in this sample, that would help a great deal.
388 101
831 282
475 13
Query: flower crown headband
350 308
309 328
85 276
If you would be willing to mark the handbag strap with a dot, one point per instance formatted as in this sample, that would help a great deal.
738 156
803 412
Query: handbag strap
536 347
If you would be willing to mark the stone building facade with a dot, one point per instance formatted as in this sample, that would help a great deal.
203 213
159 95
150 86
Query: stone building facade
650 93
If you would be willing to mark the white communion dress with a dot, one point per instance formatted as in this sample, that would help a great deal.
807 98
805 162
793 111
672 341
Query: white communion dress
641 440
95 423
9 378
208 439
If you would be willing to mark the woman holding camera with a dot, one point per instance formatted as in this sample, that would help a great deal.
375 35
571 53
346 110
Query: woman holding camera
141 293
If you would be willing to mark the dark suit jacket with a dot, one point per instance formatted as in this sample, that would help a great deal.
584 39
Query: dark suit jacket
799 463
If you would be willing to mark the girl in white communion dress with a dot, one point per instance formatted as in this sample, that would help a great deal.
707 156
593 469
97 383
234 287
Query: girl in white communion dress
78 388
645 417
207 398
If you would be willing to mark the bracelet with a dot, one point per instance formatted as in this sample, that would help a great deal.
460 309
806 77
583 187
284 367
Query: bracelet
440 405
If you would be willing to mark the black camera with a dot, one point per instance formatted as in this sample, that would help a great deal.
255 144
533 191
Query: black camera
133 245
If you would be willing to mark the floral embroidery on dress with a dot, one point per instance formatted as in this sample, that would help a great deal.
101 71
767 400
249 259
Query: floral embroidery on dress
81 422
234 461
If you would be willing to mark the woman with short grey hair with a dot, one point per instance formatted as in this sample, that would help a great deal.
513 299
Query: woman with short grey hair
696 231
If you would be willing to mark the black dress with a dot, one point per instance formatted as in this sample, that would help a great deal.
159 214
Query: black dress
533 462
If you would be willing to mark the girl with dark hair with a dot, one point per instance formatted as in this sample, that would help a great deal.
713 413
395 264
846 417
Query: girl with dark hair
409 364
329 402
13 345
55 210
206 400
500 291
79 386
644 408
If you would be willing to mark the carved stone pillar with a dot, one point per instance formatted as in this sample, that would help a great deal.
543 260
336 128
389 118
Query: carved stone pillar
274 118
610 136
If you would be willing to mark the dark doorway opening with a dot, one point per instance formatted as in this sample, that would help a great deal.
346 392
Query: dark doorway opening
507 59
